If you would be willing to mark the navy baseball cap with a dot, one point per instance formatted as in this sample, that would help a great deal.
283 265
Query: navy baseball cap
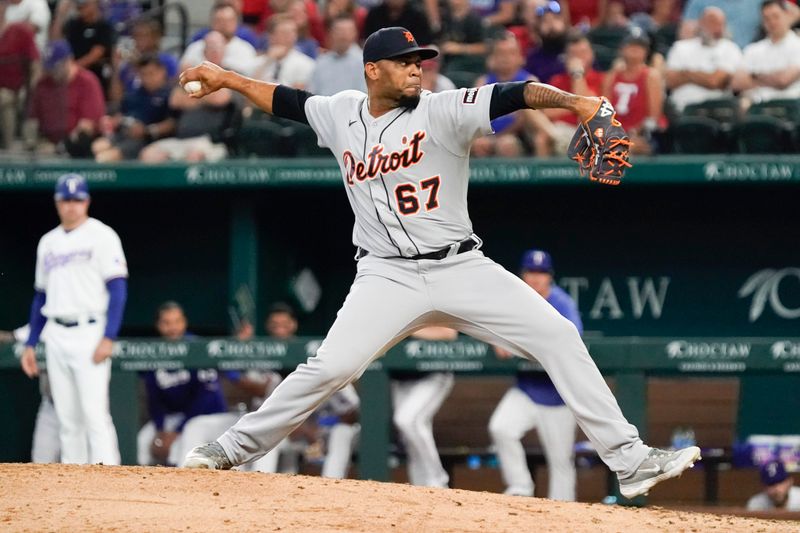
387 43
56 52
72 187
773 472
537 261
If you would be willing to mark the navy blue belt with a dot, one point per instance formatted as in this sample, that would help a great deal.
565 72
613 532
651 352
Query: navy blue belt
68 324
466 245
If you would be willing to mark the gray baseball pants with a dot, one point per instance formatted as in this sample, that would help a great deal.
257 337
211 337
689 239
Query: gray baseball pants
391 298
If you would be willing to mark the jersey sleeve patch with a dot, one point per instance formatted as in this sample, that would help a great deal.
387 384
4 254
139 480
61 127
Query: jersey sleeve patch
471 95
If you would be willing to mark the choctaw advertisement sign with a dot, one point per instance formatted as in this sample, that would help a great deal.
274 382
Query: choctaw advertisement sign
759 302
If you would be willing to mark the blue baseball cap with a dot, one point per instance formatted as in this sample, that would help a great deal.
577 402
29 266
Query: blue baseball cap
395 41
72 187
537 261
773 472
56 52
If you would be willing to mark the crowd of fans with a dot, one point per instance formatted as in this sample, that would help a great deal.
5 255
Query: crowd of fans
91 78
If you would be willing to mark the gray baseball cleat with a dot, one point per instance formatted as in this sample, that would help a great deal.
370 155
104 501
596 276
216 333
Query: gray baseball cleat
210 456
658 466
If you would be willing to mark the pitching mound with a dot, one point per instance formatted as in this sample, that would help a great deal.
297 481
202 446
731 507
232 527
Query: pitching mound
87 498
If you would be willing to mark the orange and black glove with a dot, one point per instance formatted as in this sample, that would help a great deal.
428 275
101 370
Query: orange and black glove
601 147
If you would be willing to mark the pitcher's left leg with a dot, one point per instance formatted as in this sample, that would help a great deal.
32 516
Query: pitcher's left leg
495 306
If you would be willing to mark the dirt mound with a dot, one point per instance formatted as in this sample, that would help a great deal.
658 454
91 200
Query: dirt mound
86 498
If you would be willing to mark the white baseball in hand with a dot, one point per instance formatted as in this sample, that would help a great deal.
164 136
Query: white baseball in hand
192 86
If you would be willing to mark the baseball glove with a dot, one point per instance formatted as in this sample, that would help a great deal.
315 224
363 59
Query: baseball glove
601 147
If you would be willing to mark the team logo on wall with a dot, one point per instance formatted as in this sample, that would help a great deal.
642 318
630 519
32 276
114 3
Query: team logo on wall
765 287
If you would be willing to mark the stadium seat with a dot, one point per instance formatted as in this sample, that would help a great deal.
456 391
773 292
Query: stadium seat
698 135
467 63
764 134
786 110
664 37
305 141
261 136
462 78
605 42
724 110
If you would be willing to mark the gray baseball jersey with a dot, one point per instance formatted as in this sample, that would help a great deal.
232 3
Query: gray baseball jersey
406 171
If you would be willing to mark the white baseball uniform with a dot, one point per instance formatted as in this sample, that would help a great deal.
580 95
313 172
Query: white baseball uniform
534 403
406 176
72 268
416 401
45 447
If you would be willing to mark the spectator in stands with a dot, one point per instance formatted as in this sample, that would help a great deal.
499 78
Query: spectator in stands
615 16
505 63
253 12
306 43
743 19
462 34
144 115
147 34
580 78
770 68
243 32
585 13
661 23
200 123
778 493
637 93
398 13
334 9
282 62
35 13
546 59
174 396
701 68
18 63
342 66
238 54
315 26
432 79
90 36
66 104
122 12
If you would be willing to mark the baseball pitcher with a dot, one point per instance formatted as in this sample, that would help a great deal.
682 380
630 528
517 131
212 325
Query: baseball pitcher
404 157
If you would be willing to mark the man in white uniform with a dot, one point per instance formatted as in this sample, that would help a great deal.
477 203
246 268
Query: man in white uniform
779 490
239 54
81 288
45 445
404 157
417 398
535 403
